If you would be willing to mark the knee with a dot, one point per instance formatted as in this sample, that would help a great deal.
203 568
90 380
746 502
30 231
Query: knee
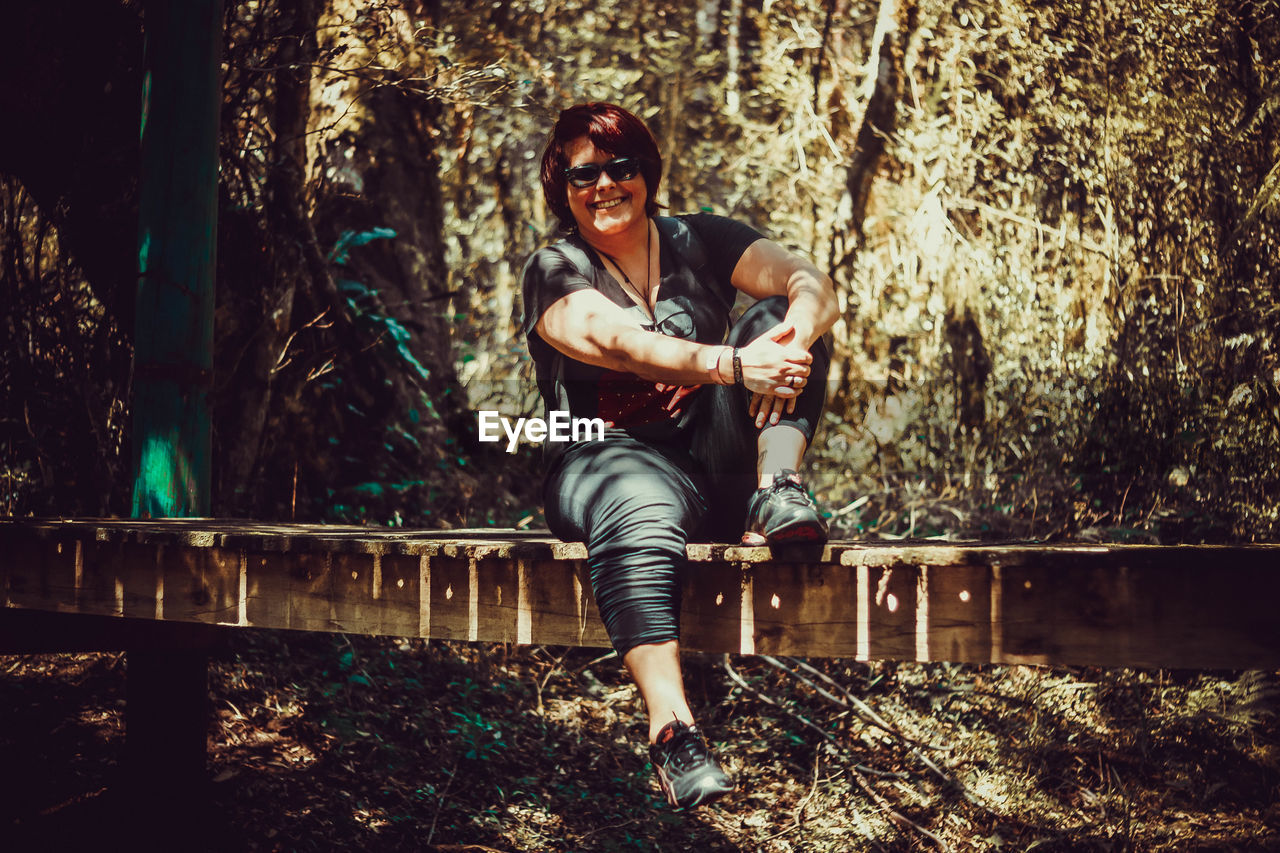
629 542
637 591
638 555
643 525
759 318
763 316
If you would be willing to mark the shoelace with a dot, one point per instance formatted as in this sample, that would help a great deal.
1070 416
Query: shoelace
781 484
687 750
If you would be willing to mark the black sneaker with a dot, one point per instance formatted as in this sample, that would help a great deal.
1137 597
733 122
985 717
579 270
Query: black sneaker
783 512
687 772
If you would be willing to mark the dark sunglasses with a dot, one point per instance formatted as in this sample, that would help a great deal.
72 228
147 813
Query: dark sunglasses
619 169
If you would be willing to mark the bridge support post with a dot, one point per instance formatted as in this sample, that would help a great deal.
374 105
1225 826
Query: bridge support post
166 714
163 780
166 724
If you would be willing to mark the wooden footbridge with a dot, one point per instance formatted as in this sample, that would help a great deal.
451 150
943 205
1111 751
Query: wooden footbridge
1112 605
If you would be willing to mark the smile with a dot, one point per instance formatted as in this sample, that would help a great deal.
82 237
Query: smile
610 203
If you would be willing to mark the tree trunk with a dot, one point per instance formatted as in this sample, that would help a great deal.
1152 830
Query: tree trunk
733 57
707 22
264 293
879 120
379 196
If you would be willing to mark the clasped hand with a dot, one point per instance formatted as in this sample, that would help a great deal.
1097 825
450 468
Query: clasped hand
774 369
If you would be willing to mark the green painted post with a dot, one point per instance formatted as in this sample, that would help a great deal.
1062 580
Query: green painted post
173 338
166 715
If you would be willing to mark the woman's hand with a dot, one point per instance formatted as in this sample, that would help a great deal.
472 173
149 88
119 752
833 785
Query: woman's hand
772 368
766 408
770 403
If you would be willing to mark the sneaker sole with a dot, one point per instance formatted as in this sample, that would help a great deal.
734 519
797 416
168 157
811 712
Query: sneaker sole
706 796
803 531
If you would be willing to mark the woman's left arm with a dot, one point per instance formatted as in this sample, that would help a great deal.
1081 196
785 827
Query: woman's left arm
766 269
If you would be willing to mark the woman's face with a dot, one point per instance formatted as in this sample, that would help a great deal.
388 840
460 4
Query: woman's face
608 207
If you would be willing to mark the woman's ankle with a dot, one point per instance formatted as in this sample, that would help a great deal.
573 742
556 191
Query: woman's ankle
656 725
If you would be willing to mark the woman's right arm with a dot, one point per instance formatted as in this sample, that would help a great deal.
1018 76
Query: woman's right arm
587 326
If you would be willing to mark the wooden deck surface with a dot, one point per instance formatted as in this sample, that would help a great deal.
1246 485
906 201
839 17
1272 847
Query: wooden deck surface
1112 605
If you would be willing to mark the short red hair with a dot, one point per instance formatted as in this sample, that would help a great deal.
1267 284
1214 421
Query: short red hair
611 129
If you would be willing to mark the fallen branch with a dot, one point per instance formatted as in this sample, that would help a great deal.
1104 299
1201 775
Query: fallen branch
868 713
542 685
863 708
857 770
453 772
833 744
896 818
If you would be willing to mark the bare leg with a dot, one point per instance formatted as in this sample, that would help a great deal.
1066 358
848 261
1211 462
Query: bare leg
656 670
778 447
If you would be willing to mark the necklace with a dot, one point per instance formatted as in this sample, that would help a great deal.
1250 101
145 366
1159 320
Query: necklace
648 263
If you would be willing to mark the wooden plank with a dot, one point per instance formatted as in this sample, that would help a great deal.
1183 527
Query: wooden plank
891 612
955 621
562 610
265 591
495 594
1214 615
357 593
805 609
711 617
309 591
137 576
399 595
449 597
99 571
38 574
291 591
1191 606
201 585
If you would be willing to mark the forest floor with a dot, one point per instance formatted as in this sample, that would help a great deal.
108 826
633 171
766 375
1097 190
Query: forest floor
329 742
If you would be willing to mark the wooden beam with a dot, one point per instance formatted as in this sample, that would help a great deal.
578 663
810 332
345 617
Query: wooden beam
1114 605
28 632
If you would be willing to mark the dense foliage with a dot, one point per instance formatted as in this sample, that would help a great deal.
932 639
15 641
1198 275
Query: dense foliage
1052 227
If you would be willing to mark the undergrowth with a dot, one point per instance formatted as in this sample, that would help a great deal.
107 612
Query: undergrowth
327 742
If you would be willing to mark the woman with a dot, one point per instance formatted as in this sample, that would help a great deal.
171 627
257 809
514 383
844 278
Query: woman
626 321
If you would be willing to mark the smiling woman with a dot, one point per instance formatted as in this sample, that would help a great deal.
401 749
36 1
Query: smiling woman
616 133
607 197
628 321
